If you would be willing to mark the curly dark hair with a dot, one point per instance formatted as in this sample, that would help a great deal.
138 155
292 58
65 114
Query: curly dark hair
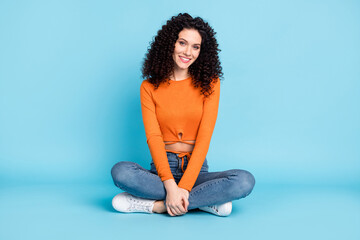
158 64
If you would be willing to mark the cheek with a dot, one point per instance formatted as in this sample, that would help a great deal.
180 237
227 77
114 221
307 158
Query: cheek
176 52
197 55
177 49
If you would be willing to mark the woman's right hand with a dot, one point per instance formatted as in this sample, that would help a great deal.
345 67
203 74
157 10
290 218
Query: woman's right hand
176 198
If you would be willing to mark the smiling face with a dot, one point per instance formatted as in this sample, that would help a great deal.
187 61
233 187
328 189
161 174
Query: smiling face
187 48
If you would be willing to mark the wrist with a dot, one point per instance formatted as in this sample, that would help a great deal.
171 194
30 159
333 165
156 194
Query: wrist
185 189
169 184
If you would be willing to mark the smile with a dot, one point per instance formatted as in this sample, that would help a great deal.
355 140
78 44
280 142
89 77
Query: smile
185 60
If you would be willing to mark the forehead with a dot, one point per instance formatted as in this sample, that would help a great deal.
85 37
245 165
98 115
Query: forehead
190 35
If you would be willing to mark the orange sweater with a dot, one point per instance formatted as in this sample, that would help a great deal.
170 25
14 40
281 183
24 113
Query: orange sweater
178 108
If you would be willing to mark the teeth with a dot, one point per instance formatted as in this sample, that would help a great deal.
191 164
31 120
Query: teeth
185 59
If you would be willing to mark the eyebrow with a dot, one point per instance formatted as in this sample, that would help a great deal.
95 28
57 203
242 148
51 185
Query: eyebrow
187 41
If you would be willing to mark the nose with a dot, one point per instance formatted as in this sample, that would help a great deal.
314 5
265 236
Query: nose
187 51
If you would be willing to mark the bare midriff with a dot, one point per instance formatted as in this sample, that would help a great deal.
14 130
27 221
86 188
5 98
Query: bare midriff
180 146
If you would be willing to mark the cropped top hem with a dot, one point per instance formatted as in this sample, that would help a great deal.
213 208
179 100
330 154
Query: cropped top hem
182 141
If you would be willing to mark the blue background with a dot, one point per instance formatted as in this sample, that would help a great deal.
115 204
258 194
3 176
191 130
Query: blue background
289 113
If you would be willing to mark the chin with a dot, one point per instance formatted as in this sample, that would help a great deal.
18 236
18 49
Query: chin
184 67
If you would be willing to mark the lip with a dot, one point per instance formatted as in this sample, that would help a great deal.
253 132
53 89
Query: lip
185 58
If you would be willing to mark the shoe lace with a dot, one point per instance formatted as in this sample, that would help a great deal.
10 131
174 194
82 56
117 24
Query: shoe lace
136 204
214 207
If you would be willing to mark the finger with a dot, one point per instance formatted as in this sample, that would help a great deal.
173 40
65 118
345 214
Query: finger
183 203
169 211
186 204
175 210
181 208
180 212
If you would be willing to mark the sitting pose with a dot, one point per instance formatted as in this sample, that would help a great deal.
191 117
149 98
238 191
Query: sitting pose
179 102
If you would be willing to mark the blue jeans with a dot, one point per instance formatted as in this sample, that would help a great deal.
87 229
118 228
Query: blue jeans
210 188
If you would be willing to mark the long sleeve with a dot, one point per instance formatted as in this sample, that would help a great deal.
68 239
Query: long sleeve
154 137
206 128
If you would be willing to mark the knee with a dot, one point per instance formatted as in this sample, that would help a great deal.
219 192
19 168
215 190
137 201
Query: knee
121 172
243 185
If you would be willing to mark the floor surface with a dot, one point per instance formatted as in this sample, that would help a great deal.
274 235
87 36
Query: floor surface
81 211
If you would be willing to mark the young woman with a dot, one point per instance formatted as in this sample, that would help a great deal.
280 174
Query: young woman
179 103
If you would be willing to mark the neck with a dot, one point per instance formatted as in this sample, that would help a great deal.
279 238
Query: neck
179 74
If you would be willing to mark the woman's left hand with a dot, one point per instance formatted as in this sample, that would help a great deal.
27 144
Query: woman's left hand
185 200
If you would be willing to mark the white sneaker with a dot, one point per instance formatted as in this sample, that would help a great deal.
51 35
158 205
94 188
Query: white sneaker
220 210
125 202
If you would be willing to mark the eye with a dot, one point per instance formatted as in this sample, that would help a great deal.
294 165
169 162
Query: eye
181 43
196 47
